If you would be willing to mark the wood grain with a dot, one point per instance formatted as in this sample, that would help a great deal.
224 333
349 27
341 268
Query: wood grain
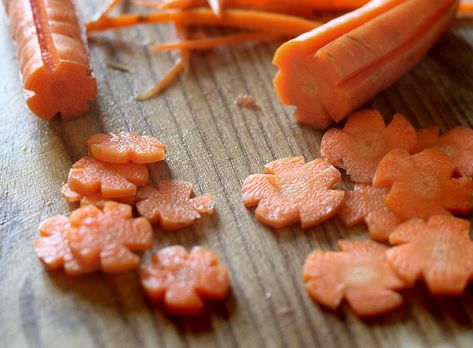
215 145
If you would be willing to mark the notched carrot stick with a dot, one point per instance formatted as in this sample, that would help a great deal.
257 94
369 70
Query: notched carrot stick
358 273
182 280
421 185
54 58
334 69
171 204
439 251
292 190
364 141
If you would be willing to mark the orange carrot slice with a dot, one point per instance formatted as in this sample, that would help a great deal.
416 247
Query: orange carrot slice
53 250
182 280
366 204
171 205
69 194
422 185
108 236
292 191
126 147
439 251
364 141
358 273
96 199
89 176
427 137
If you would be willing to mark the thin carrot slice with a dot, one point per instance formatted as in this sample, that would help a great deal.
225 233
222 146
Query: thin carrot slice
69 194
89 176
53 250
292 191
108 236
364 141
366 204
422 185
182 280
126 147
171 205
427 137
439 251
358 273
97 199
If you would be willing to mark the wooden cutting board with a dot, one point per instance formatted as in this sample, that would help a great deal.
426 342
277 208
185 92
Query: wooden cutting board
215 145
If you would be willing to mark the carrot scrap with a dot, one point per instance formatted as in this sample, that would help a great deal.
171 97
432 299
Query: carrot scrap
53 250
126 147
169 78
427 137
366 204
466 8
358 273
421 185
292 190
108 236
69 194
112 180
439 251
182 280
106 9
364 141
171 206
247 102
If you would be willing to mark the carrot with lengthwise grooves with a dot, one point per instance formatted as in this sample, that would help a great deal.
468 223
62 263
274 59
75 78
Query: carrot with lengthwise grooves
334 69
54 58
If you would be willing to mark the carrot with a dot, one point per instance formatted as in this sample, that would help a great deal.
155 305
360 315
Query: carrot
216 6
171 205
124 147
54 58
439 251
109 6
292 190
364 141
421 185
427 137
89 176
466 8
366 204
334 69
358 273
96 199
182 280
69 194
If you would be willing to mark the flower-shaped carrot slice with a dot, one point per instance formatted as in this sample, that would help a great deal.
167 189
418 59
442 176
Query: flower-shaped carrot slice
292 191
126 147
108 236
89 176
427 137
96 199
422 185
364 141
52 248
171 205
358 273
439 251
183 280
366 203
69 194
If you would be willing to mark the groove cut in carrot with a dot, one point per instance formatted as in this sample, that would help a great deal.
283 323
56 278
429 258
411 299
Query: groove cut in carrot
357 273
112 180
421 185
108 236
182 280
366 204
364 141
292 190
439 251
124 147
171 205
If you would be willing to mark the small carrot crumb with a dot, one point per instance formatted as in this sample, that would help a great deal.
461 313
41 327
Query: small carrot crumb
247 102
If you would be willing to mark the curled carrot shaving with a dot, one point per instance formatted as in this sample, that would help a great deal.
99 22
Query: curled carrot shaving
181 33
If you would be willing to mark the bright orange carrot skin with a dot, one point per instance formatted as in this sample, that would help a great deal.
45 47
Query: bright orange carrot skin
54 58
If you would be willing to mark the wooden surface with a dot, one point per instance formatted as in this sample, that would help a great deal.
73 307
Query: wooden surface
214 145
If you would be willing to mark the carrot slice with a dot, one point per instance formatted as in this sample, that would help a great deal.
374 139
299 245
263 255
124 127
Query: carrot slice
89 176
427 137
366 204
439 251
126 147
53 250
96 199
69 194
182 280
364 141
108 236
358 273
422 185
171 205
292 191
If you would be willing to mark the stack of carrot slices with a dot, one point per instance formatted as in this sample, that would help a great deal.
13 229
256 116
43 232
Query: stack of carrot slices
409 189
102 233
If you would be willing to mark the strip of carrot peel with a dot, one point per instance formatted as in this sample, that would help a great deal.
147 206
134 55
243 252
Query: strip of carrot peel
106 9
181 33
165 81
